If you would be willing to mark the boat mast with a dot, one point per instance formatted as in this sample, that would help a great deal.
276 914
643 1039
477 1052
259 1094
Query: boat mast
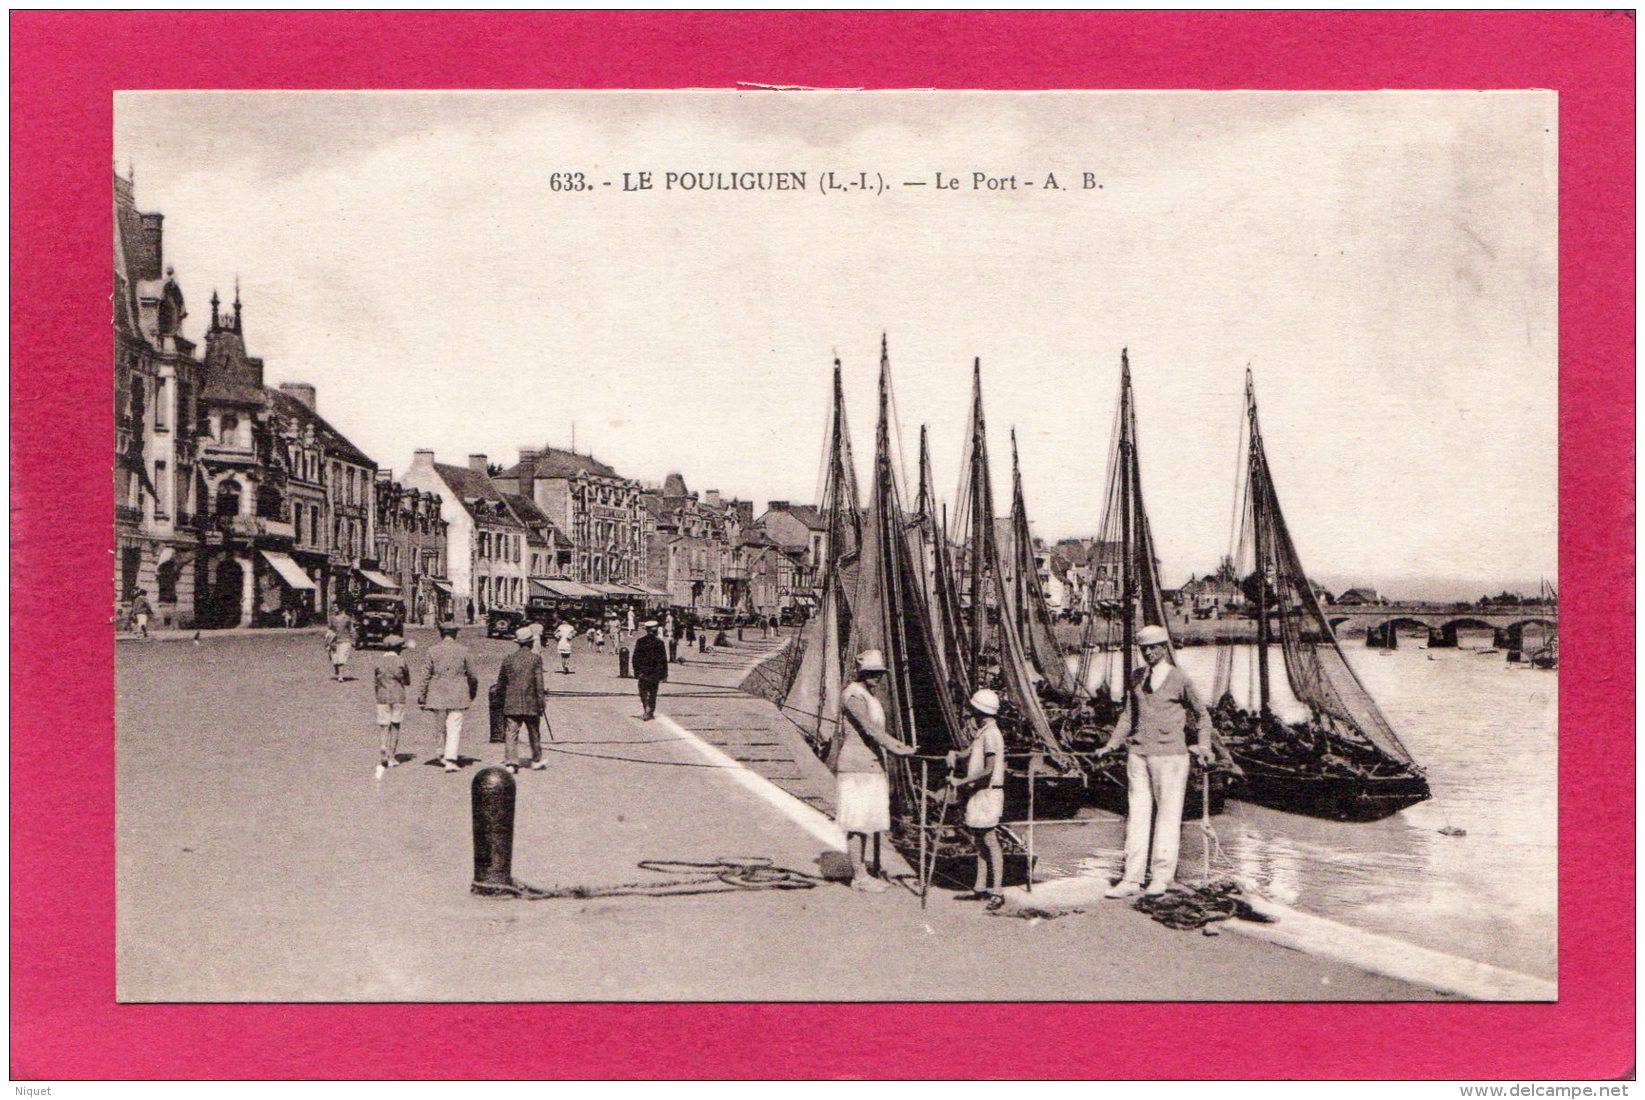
979 521
1257 473
1128 625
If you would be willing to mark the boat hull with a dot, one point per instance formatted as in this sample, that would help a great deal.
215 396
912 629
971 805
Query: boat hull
1334 797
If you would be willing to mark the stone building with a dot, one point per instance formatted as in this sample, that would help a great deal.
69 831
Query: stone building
801 531
288 534
156 379
487 557
694 546
593 505
411 548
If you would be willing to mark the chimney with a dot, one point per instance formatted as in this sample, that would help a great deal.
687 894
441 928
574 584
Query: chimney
302 391
384 474
776 505
422 456
477 463
150 259
528 472
711 497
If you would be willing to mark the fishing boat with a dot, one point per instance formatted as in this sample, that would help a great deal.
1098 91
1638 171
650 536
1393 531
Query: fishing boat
1342 759
1125 594
812 701
889 613
993 647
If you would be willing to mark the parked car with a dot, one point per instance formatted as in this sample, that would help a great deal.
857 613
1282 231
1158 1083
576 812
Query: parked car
379 617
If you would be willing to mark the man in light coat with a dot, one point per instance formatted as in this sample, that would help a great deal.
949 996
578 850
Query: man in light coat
448 689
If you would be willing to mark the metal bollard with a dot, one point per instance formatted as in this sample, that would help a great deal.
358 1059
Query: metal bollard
493 833
702 643
622 663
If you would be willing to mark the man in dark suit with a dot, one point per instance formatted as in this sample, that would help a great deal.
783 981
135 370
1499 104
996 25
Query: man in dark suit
521 681
650 667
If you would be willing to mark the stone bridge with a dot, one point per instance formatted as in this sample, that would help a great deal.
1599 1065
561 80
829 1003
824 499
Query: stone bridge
1442 621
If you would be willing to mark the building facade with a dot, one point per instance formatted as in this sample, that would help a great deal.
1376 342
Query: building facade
411 548
487 557
156 379
596 508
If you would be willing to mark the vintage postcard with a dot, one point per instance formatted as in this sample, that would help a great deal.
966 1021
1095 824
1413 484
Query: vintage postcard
841 546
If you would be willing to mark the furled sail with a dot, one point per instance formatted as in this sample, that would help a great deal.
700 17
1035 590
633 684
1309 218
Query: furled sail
1319 674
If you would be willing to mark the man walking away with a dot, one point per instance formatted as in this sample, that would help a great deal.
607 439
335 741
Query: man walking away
985 773
863 796
448 688
1161 710
339 641
391 677
140 612
650 667
521 680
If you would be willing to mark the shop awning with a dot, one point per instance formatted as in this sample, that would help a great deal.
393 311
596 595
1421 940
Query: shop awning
289 571
378 580
443 586
562 589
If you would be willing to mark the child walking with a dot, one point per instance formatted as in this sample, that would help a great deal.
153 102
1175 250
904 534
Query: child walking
392 677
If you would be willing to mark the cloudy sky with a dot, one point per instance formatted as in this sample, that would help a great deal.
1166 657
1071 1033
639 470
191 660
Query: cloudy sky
1384 263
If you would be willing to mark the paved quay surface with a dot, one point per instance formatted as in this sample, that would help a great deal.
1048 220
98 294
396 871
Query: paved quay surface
258 859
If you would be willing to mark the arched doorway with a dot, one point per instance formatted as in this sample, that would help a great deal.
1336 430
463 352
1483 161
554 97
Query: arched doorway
225 593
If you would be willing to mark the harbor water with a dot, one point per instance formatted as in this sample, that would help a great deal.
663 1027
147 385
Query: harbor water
1486 733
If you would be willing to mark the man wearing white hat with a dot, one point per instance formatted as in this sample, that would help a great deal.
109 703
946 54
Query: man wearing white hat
1162 711
863 796
985 774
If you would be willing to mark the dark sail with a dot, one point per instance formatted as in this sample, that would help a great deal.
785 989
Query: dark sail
1345 761
1029 606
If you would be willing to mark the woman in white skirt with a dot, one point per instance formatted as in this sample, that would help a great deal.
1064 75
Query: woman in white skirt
985 774
863 795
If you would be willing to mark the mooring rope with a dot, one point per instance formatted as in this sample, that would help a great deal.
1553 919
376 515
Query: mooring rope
719 876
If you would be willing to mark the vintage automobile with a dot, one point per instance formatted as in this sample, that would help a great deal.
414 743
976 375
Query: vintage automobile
379 617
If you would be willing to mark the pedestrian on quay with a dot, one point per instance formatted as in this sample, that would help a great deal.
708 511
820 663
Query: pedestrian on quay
678 635
985 776
1162 711
448 689
565 632
650 667
339 641
537 632
598 637
521 680
140 612
863 795
390 678
628 623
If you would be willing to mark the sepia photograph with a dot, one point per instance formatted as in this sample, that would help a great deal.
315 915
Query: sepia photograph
1106 543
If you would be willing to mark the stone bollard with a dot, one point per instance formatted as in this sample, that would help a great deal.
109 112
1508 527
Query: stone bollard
493 797
622 663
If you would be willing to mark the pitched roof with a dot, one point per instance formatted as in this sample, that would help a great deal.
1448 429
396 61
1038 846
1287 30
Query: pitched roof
526 511
469 486
554 462
808 514
334 441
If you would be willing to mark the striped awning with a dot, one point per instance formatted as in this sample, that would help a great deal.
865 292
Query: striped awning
563 589
289 571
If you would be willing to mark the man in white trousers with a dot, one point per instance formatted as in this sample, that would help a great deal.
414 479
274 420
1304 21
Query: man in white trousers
1162 713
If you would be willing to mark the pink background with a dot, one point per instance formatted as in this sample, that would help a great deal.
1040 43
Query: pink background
64 1021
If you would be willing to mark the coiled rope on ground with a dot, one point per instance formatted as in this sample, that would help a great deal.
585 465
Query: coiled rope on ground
720 876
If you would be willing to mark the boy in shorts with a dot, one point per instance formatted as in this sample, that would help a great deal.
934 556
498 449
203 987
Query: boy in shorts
392 677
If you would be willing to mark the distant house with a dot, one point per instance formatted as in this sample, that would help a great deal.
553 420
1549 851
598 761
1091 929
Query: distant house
1360 597
796 527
